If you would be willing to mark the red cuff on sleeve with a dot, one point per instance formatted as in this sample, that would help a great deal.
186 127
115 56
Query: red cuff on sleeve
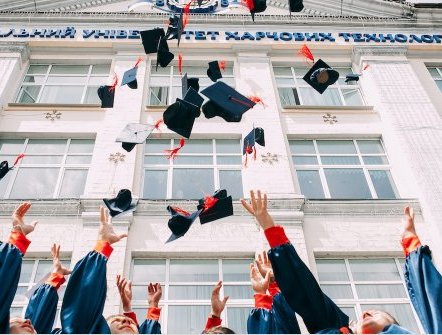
263 301
131 315
19 240
274 288
104 248
410 244
56 280
153 313
213 322
276 236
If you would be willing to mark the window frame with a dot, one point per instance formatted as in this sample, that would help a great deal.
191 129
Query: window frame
437 79
320 167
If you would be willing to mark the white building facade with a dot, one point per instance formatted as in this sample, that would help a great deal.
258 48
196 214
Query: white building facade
338 168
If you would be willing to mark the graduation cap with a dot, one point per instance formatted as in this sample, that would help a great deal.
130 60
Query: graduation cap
175 28
255 136
296 5
256 6
226 102
106 94
130 78
180 222
4 166
189 82
321 76
121 204
214 71
180 116
133 134
215 207
164 56
151 39
352 77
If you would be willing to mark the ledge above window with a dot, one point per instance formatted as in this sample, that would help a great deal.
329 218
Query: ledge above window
49 107
291 109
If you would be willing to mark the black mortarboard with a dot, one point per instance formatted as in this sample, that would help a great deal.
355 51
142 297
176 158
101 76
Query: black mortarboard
122 203
175 28
106 94
164 56
189 82
259 6
180 116
130 78
255 136
296 5
225 102
180 222
223 207
133 134
321 76
151 38
352 77
214 71
4 169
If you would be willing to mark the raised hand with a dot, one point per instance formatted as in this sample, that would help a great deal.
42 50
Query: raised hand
17 219
58 267
263 264
125 290
218 305
409 228
260 284
154 293
258 208
106 231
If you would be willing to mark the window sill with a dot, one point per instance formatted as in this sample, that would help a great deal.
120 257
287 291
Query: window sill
155 108
288 109
58 107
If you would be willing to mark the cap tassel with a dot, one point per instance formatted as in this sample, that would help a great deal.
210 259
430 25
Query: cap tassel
241 102
256 99
139 60
186 11
181 211
305 51
365 67
157 124
174 152
222 64
114 83
19 157
249 151
180 64
209 202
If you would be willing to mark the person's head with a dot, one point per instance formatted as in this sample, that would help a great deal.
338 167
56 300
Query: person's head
219 330
374 322
121 324
21 326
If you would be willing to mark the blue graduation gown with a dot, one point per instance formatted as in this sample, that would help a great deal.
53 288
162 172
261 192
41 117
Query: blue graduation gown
42 308
424 284
150 326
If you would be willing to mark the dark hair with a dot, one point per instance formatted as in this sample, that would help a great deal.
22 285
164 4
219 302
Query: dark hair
219 330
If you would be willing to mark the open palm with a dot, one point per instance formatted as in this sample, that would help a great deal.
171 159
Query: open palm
18 223
106 231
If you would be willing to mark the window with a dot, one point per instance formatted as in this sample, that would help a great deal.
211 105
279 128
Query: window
201 167
165 84
32 271
342 169
293 90
51 168
357 285
187 285
436 73
63 84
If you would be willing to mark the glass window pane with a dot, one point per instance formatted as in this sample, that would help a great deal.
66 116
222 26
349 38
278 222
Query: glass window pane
16 312
193 160
91 96
4 182
62 94
229 160
81 146
302 147
26 271
73 183
311 97
158 96
156 146
228 147
331 270
285 82
434 73
190 292
375 160
401 312
43 182
186 319
305 160
237 318
439 84
340 160
42 146
69 69
282 71
38 69
300 71
352 97
149 270
78 159
194 270
336 147
20 296
236 269
11 146
192 183
231 180
347 184
379 291
97 81
370 269
338 291
370 147
66 80
44 267
243 292
34 80
156 160
383 184
196 146
350 312
288 96
42 159
101 69
28 94
155 184
310 184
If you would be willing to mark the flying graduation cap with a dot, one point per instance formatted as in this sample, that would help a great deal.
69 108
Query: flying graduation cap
106 94
164 56
133 134
321 76
352 77
214 71
4 166
180 222
189 82
295 6
215 207
256 136
226 102
256 6
130 76
175 28
121 204
151 39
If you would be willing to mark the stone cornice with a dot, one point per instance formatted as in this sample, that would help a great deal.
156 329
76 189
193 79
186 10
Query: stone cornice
379 53
15 47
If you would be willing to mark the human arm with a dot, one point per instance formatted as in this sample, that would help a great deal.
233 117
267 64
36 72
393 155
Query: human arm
152 323
217 305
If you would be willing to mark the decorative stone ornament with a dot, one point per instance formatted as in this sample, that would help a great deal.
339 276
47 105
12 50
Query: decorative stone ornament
329 118
54 115
270 158
117 157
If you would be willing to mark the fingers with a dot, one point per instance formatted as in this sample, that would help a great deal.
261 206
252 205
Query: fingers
25 208
129 285
259 266
260 259
158 287
118 280
265 257
253 274
225 301
150 289
103 215
34 224
247 207
259 201
121 236
253 200
267 278
53 248
217 288
264 202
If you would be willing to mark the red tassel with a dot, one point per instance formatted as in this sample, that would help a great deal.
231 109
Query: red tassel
241 102
186 11
365 67
19 157
174 152
181 211
305 51
114 83
222 64
209 202
139 60
180 63
249 151
254 153
157 124
256 99
250 5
